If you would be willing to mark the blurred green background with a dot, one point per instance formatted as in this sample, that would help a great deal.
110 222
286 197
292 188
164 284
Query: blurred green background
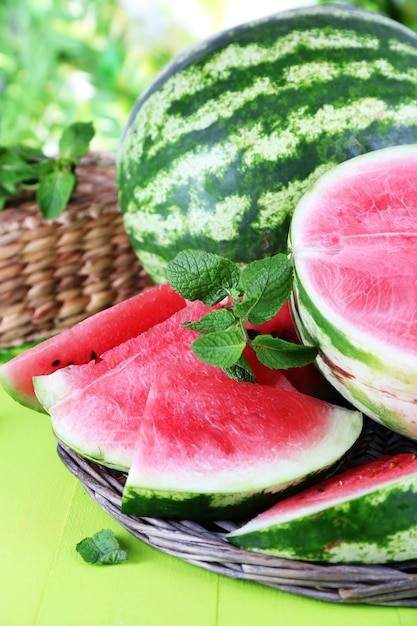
88 60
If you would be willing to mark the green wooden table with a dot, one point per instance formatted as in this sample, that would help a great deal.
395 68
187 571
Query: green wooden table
45 512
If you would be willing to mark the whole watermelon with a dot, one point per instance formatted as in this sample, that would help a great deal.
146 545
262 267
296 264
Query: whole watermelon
221 146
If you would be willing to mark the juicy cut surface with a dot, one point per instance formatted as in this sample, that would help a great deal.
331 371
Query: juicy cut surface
355 238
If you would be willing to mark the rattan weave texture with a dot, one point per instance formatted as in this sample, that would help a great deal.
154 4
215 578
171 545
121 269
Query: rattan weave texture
55 273
206 545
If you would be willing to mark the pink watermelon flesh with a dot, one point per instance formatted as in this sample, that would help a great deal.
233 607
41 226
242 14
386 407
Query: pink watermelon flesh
363 515
209 446
364 253
88 339
349 484
97 408
307 379
147 348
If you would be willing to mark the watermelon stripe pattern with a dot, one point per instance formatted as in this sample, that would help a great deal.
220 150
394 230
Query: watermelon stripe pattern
363 515
219 149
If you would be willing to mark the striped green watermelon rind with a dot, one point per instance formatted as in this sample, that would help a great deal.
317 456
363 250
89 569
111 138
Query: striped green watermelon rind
220 148
210 447
371 522
167 504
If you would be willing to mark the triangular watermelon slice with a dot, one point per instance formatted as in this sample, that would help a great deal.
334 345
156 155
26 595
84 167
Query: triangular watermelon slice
87 340
96 408
210 447
364 515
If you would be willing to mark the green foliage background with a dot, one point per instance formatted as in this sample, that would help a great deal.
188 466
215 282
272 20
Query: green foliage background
73 60
79 60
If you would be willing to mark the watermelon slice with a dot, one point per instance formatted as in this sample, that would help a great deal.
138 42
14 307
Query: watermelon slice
364 515
96 408
88 340
354 247
209 447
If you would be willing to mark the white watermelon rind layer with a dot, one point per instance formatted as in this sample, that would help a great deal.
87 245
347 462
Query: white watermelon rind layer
376 525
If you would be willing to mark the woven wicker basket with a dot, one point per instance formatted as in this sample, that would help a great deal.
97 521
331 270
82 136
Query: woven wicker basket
206 546
55 273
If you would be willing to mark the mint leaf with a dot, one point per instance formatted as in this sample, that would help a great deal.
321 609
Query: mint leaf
252 295
267 284
280 354
241 371
54 179
199 275
13 172
102 548
220 348
75 141
54 192
220 319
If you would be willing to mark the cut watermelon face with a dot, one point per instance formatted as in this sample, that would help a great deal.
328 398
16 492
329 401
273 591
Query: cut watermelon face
354 245
364 515
179 426
87 340
97 408
210 447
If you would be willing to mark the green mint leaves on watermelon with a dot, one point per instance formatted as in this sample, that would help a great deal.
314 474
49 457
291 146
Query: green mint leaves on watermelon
252 295
101 549
54 179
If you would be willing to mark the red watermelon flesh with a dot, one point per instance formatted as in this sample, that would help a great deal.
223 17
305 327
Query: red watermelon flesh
148 347
214 448
95 408
307 379
349 484
353 241
88 340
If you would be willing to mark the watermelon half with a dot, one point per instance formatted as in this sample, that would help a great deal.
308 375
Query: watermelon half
353 240
210 447
221 146
87 340
364 515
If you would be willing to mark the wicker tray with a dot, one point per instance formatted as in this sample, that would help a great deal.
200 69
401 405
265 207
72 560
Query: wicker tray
55 273
206 546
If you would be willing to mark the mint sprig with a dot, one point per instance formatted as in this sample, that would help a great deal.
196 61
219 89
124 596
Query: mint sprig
54 179
102 548
252 295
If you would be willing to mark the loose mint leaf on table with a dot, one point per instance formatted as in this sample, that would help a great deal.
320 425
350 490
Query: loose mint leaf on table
252 295
101 549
